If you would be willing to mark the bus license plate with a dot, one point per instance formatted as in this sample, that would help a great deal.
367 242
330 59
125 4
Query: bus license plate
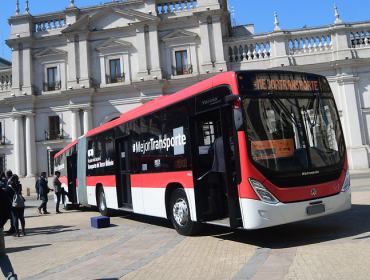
315 209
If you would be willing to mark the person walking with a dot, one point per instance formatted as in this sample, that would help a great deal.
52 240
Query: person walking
58 190
5 264
15 188
44 190
8 175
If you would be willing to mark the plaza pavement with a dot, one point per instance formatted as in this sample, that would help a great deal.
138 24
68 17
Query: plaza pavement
65 246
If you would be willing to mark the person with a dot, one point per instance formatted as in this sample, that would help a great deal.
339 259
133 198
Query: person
58 190
15 187
219 164
3 181
8 175
5 264
44 190
37 187
217 151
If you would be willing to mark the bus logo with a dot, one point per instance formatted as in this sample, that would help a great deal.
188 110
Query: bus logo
313 192
336 186
90 153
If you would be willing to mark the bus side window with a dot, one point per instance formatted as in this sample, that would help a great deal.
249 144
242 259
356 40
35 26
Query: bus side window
135 165
175 128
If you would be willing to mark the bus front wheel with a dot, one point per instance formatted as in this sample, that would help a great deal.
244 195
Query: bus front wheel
102 203
180 214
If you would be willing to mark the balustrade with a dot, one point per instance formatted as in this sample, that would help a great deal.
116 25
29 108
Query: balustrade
360 38
49 25
176 6
309 44
248 51
5 82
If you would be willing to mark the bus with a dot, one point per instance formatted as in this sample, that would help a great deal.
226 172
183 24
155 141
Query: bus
285 157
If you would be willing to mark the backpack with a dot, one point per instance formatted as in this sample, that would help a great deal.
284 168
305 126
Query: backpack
18 199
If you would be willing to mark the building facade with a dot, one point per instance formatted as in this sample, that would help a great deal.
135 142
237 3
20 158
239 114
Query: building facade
76 69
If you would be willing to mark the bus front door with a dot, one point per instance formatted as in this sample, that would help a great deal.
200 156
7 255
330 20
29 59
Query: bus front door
216 192
123 173
72 177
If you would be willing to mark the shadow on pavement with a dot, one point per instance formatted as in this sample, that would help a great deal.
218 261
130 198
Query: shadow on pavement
48 230
23 248
348 224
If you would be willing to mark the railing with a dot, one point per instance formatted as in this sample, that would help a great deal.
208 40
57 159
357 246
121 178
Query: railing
51 86
176 6
182 69
55 134
50 21
49 25
6 82
360 38
244 50
310 43
115 78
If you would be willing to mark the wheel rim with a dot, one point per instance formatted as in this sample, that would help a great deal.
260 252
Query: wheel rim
101 201
181 212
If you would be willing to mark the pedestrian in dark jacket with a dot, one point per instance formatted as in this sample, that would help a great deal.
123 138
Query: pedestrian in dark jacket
44 190
8 175
15 187
5 264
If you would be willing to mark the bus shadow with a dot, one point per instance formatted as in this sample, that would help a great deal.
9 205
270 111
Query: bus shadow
350 224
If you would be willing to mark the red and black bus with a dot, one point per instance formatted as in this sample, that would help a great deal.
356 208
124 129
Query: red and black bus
288 161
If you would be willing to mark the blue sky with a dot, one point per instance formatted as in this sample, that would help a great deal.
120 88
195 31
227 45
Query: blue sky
291 14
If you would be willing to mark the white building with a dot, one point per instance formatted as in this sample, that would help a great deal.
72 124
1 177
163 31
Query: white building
76 69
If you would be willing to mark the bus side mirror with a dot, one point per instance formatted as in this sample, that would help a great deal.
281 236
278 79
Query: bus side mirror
238 119
237 112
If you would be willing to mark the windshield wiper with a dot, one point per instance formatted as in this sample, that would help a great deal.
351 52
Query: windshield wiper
275 102
316 109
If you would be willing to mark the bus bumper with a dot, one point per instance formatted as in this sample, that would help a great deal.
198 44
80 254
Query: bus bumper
257 214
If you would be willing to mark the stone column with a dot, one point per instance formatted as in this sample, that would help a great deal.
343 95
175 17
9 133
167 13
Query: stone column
31 146
16 69
87 119
141 46
204 37
217 39
76 127
72 71
154 52
19 159
27 67
356 149
84 55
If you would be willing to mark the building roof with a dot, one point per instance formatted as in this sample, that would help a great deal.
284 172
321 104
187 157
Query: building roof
4 63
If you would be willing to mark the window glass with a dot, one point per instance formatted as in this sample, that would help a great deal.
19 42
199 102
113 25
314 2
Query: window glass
176 135
151 136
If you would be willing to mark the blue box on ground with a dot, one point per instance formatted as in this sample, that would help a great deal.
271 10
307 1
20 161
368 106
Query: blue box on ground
100 222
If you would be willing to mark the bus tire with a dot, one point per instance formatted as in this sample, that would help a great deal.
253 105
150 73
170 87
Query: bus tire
180 214
102 204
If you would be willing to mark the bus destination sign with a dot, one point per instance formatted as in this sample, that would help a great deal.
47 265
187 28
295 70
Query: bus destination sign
279 82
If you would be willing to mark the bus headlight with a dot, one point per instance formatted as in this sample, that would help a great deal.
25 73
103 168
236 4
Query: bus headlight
263 193
346 182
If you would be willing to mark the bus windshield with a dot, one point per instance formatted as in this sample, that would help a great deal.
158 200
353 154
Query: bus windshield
293 133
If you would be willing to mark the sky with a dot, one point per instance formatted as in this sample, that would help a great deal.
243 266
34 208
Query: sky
291 14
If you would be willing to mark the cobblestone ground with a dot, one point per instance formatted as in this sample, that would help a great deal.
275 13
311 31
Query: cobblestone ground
65 246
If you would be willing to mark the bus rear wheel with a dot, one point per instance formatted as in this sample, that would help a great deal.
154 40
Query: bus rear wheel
102 204
180 214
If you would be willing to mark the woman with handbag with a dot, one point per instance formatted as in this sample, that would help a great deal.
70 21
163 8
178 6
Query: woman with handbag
17 205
